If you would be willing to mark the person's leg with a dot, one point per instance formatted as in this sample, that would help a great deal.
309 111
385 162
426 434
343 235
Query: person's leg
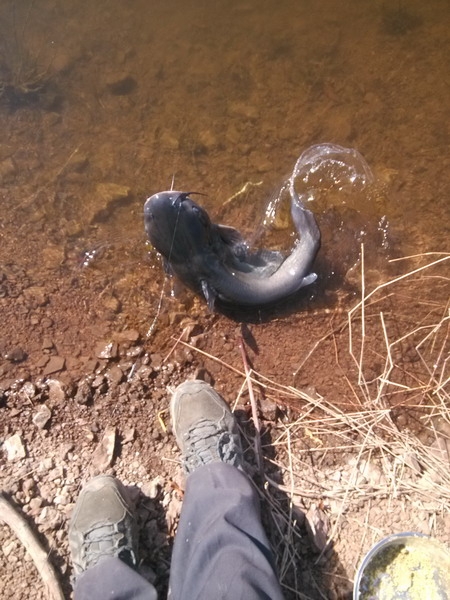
112 579
103 542
220 549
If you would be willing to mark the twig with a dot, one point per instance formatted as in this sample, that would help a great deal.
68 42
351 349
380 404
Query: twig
26 536
258 450
243 189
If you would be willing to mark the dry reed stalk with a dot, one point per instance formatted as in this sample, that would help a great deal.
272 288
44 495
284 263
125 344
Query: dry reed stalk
248 381
411 471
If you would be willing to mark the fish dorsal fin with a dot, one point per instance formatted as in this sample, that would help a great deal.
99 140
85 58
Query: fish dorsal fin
230 235
233 239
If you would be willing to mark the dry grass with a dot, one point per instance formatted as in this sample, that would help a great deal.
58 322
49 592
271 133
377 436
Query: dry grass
387 460
402 328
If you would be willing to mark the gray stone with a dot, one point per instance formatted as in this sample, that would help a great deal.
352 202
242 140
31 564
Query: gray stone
14 447
56 391
84 393
104 453
42 416
16 355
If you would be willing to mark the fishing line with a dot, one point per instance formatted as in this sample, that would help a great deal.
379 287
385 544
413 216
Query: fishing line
161 298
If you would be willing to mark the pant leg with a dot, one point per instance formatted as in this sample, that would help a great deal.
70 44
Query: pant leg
221 551
112 579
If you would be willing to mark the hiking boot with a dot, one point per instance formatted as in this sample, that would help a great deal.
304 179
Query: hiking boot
102 525
204 426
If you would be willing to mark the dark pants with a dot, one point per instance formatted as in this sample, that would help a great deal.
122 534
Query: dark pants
220 549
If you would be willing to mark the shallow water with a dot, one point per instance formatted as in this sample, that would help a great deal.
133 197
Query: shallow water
104 105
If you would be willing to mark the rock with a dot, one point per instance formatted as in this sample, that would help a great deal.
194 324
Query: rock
28 485
107 350
204 375
128 335
152 488
35 506
84 393
104 453
114 375
317 525
49 518
47 344
172 513
156 360
98 381
54 365
28 390
120 84
78 163
46 464
128 435
14 447
64 450
36 296
371 473
56 391
9 547
42 416
16 355
108 197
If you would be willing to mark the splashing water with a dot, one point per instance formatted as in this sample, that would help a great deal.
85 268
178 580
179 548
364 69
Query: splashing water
329 166
340 188
321 168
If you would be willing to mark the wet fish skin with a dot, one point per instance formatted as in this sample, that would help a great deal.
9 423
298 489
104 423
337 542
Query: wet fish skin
214 261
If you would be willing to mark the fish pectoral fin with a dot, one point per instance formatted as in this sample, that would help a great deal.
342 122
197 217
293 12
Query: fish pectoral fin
210 294
308 280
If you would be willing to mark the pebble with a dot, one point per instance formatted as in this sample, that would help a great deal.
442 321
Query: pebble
9 547
120 84
16 355
115 375
54 365
107 350
14 447
128 335
35 505
104 453
42 416
28 390
108 196
84 393
98 381
56 391
152 488
49 518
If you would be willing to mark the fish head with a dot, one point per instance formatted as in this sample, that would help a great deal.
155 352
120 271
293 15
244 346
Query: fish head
176 225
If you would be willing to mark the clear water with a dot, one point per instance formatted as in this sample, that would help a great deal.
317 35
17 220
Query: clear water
105 104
